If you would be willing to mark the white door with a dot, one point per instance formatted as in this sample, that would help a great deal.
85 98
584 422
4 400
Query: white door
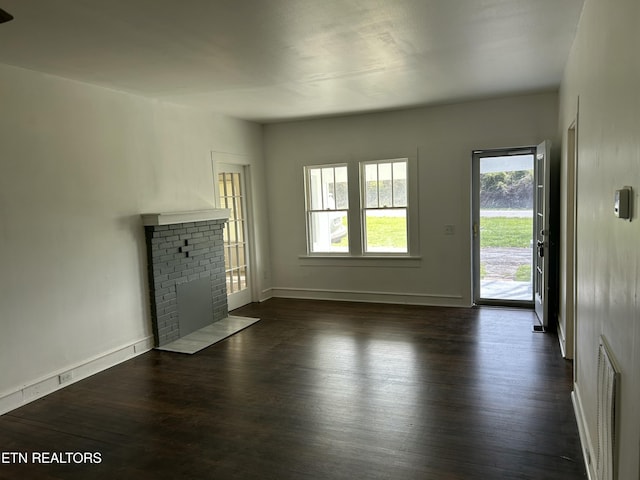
232 195
542 233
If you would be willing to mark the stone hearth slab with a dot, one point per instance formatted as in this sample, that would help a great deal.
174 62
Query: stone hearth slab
207 336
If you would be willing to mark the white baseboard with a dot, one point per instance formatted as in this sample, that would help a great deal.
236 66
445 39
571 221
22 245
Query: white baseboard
588 452
266 294
440 300
63 378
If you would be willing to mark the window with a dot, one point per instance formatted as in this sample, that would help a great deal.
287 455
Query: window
384 200
383 197
327 205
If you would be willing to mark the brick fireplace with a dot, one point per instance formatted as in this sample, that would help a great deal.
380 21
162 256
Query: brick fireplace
187 286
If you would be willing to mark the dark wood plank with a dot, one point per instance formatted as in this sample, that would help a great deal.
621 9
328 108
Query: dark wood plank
322 390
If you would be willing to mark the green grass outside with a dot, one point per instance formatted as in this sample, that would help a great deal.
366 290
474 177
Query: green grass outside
384 232
506 232
387 232
494 232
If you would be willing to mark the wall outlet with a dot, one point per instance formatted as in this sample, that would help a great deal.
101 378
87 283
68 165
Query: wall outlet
65 377
449 229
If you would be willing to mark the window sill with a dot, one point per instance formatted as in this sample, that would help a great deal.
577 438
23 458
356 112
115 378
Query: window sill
394 261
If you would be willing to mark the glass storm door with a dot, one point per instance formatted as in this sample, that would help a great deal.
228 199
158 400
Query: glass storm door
232 190
503 220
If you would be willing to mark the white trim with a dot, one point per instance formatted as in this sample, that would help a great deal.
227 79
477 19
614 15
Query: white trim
266 294
310 192
53 381
404 261
171 218
443 300
588 451
562 338
364 209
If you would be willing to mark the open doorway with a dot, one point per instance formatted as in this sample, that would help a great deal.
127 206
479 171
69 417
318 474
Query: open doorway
503 226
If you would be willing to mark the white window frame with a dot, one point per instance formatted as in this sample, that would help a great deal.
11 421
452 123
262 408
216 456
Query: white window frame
325 207
356 252
381 208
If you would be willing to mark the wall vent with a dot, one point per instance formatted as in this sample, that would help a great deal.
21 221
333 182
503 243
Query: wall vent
608 385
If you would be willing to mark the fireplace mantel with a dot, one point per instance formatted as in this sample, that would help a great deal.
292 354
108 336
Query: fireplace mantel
172 218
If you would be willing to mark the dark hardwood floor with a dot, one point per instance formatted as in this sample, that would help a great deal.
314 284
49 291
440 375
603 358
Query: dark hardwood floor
322 390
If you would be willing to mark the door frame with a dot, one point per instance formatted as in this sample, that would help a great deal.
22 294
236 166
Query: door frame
477 155
568 304
219 159
567 333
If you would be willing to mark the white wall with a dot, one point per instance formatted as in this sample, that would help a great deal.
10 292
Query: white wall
79 165
604 72
444 138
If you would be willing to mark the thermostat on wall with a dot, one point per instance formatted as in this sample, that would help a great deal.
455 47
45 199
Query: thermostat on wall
621 202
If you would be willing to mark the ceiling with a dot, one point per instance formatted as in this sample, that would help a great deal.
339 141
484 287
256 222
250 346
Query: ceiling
274 60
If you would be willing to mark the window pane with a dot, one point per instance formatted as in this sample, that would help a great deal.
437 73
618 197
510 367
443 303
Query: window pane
328 189
229 276
328 183
236 280
386 230
237 190
400 184
341 187
315 189
242 272
241 259
371 187
240 232
238 214
230 232
385 198
328 232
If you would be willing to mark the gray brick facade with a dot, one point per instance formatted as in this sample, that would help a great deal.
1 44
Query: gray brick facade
178 254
